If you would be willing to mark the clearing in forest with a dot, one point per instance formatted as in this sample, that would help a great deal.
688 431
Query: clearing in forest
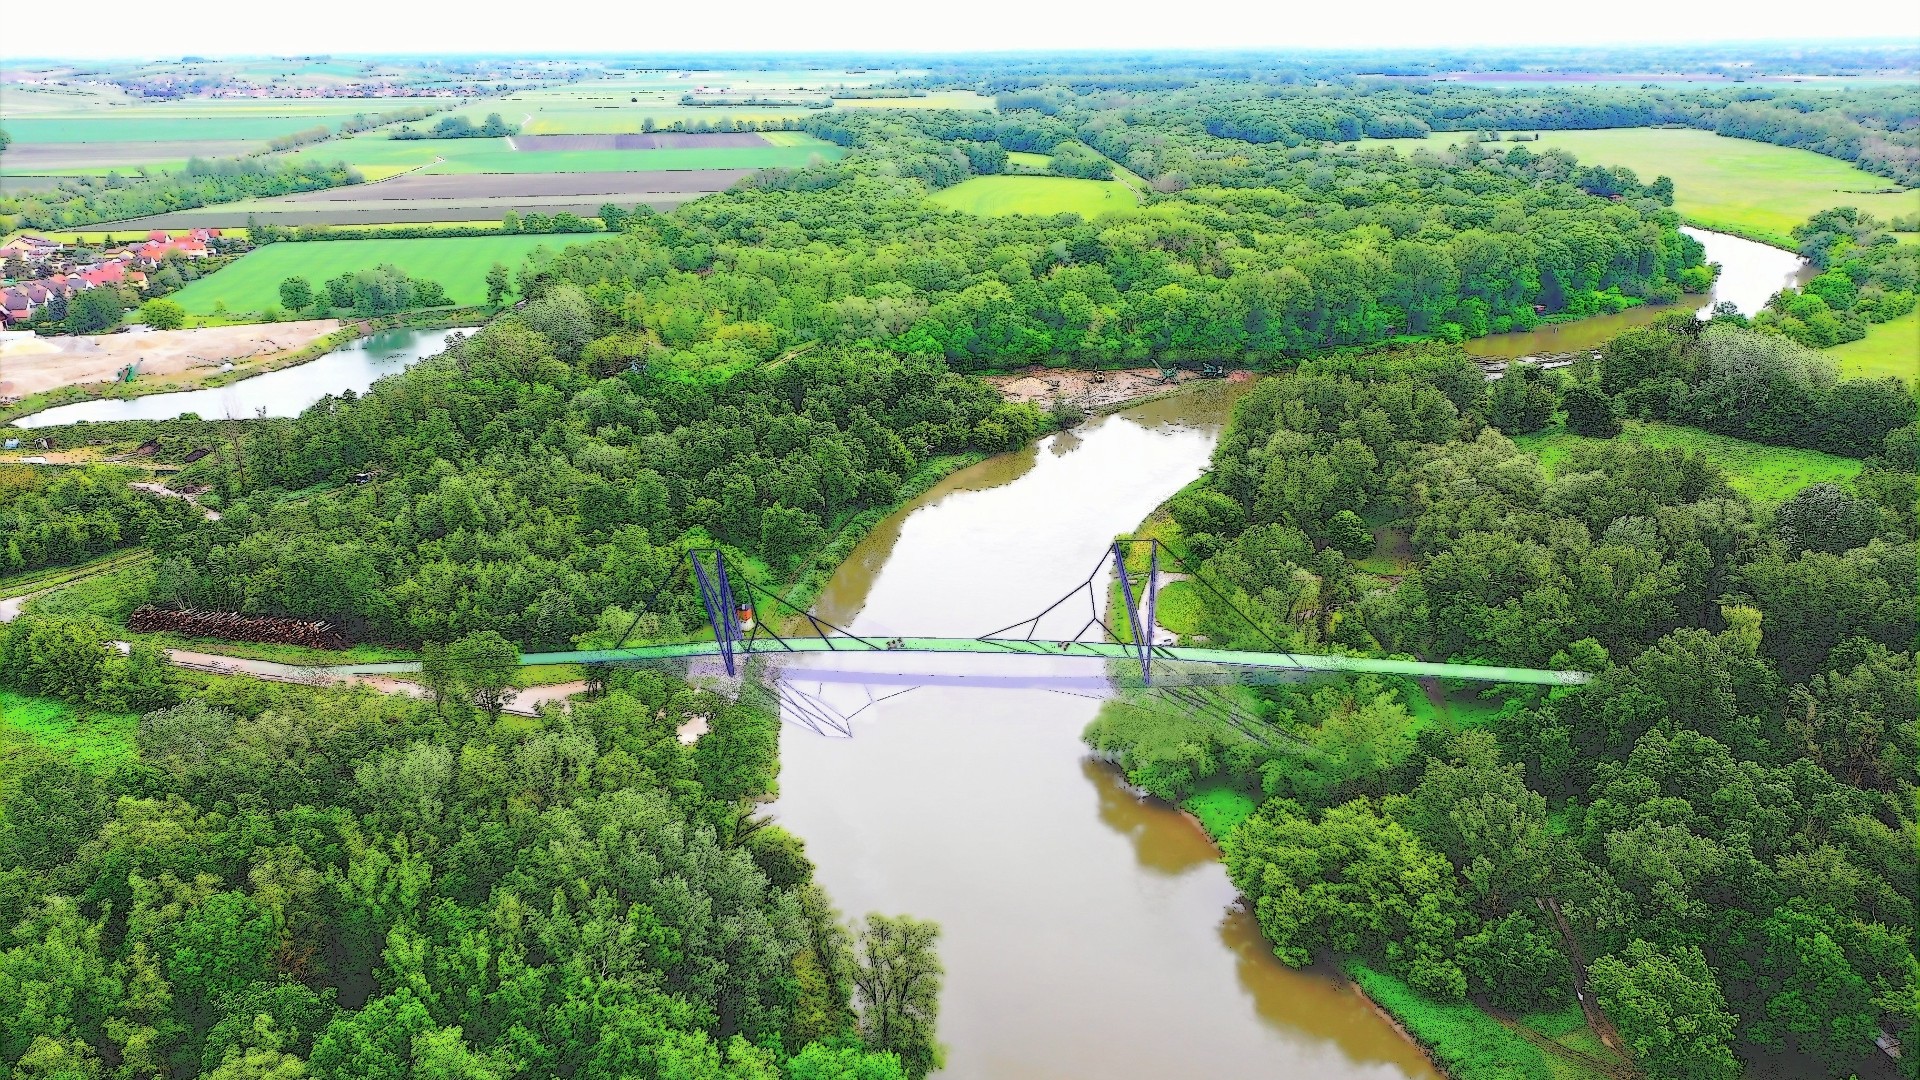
994 196
1890 348
1766 474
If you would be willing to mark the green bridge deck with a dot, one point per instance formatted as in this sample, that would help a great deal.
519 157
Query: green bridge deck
980 647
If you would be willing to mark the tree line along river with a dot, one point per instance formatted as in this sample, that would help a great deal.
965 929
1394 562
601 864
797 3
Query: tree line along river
1750 273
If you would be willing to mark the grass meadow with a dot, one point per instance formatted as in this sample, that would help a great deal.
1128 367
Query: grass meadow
994 196
1767 474
1748 188
1890 348
458 263
91 739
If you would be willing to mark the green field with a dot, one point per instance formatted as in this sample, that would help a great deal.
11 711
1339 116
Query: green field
994 196
458 263
1753 189
1767 474
250 120
1890 348
379 157
87 738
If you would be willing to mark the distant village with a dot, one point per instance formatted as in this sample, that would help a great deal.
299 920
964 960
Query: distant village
40 273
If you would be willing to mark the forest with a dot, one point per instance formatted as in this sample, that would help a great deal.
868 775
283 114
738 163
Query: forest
279 881
1713 839
1721 821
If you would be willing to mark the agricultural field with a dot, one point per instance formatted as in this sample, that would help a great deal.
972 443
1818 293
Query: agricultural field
940 99
1752 189
377 156
624 104
994 196
197 119
98 159
458 263
1767 474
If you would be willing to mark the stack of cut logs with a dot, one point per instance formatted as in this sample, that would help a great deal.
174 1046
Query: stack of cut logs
236 627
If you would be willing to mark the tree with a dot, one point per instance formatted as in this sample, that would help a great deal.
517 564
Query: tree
1824 517
499 284
1813 991
1347 532
488 665
816 1062
296 294
1590 411
1670 1011
1521 401
439 673
95 311
1353 881
896 978
163 314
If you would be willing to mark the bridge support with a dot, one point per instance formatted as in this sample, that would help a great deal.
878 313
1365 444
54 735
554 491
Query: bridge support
1142 631
716 595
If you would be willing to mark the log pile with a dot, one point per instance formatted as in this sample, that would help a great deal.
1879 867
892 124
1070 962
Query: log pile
232 626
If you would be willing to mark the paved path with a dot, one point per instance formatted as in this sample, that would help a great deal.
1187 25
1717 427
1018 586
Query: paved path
1055 649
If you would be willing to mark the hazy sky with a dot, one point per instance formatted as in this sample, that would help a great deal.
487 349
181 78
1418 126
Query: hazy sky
224 27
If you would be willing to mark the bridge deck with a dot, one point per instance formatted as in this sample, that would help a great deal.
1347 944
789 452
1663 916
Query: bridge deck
997 647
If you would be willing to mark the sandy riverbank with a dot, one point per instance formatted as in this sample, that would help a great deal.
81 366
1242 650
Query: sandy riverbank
1091 390
30 364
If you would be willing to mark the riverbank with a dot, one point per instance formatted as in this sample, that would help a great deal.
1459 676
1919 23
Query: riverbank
205 358
1466 1039
1092 391
32 366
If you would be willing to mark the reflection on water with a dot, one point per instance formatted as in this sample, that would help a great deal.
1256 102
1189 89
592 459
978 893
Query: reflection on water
1750 273
1158 847
1086 932
286 392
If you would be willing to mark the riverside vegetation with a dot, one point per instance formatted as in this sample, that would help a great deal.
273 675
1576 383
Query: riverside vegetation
1722 818
278 879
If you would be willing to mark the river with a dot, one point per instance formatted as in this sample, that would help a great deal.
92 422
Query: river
1750 273
286 392
1087 932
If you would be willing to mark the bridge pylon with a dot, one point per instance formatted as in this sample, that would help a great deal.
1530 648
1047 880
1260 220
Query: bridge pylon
716 595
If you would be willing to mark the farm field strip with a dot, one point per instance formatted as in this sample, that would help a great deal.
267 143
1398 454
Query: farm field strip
965 100
374 215
459 264
83 158
655 140
427 185
463 156
123 127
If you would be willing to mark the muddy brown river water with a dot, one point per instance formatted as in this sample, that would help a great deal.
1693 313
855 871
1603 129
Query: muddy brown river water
1087 932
